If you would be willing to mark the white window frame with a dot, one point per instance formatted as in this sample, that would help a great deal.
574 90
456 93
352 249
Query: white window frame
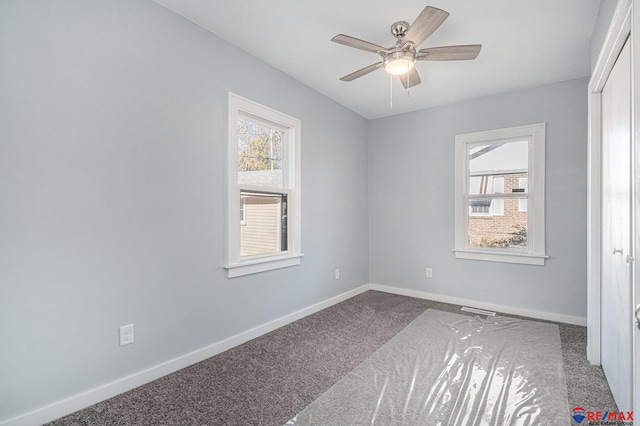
237 265
535 253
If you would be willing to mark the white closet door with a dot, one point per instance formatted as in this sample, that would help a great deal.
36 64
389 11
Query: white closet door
616 312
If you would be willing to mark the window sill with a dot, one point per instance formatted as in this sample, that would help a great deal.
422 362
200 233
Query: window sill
254 266
500 256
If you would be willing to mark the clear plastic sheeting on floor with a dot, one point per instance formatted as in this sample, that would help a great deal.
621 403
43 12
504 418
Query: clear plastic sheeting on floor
451 369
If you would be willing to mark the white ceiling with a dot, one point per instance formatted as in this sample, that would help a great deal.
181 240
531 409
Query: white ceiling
526 43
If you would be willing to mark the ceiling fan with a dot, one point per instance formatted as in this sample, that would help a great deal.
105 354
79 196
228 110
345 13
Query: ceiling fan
400 59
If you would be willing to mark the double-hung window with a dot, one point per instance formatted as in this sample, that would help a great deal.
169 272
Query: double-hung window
263 189
499 201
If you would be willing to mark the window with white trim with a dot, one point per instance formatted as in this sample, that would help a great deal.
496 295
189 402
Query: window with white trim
264 189
499 201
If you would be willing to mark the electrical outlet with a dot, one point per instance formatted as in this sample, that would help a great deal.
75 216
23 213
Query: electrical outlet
337 274
429 273
126 334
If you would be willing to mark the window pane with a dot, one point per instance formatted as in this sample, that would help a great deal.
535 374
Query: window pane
264 228
507 229
260 149
496 168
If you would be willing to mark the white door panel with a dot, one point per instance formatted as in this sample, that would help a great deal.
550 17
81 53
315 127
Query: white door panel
616 312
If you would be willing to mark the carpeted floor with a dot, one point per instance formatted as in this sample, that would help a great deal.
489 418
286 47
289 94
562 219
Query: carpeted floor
268 380
445 368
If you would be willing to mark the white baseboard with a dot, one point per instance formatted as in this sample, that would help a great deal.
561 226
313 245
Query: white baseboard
548 316
93 396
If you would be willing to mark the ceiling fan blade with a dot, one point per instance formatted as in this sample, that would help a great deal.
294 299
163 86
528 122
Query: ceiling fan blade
363 71
410 79
449 53
425 24
358 44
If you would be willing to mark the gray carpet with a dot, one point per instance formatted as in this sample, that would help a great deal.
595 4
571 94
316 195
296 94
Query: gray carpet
268 380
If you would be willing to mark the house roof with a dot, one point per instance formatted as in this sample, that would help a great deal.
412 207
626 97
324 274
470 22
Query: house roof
262 178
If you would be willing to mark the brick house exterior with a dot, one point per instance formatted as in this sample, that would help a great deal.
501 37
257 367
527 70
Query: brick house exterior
505 217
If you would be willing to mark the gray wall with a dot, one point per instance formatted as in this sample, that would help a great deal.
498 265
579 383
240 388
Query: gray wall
412 201
112 171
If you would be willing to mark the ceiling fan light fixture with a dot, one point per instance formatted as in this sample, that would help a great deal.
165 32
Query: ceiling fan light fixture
400 62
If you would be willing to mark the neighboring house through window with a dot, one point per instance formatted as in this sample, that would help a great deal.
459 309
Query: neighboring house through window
264 189
499 198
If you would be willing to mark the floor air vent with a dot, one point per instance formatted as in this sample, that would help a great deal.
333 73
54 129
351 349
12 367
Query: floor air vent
478 311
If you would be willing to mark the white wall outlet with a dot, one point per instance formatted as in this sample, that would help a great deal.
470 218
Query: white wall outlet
429 272
126 334
337 274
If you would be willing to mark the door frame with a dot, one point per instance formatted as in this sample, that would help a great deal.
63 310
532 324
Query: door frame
622 27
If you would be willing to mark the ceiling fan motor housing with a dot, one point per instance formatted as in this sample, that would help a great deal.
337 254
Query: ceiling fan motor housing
399 29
